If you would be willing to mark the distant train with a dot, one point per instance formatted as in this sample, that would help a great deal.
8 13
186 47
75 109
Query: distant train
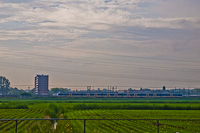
120 95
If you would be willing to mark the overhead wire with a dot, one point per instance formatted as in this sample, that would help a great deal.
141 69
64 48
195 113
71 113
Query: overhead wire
99 74
84 61
122 55
117 65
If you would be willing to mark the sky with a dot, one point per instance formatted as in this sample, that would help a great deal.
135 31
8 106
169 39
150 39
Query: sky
132 43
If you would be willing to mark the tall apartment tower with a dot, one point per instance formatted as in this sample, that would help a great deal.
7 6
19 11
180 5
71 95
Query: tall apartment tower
164 88
41 84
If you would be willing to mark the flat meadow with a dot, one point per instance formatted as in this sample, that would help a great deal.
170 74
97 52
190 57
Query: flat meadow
150 109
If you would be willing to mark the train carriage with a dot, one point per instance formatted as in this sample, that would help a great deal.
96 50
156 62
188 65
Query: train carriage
120 94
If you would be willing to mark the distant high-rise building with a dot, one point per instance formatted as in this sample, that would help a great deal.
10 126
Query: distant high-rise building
164 88
41 84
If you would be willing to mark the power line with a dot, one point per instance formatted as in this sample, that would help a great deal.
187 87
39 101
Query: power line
89 73
139 57
83 61
129 56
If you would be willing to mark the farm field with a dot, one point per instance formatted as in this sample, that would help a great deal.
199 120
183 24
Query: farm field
136 126
101 110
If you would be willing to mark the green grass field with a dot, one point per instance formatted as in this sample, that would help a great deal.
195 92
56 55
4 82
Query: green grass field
101 109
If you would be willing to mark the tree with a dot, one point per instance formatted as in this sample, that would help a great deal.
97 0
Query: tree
14 91
61 90
26 94
4 84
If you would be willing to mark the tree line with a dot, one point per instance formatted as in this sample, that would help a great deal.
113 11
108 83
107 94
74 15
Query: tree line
5 88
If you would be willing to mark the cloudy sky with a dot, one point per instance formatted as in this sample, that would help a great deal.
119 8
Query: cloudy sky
144 43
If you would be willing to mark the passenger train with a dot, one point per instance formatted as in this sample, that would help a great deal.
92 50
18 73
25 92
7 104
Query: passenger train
120 94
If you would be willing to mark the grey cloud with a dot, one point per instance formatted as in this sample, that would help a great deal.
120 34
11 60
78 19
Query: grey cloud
71 21
173 8
17 1
2 16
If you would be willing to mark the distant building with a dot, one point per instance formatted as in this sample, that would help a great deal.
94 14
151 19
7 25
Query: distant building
164 88
41 84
